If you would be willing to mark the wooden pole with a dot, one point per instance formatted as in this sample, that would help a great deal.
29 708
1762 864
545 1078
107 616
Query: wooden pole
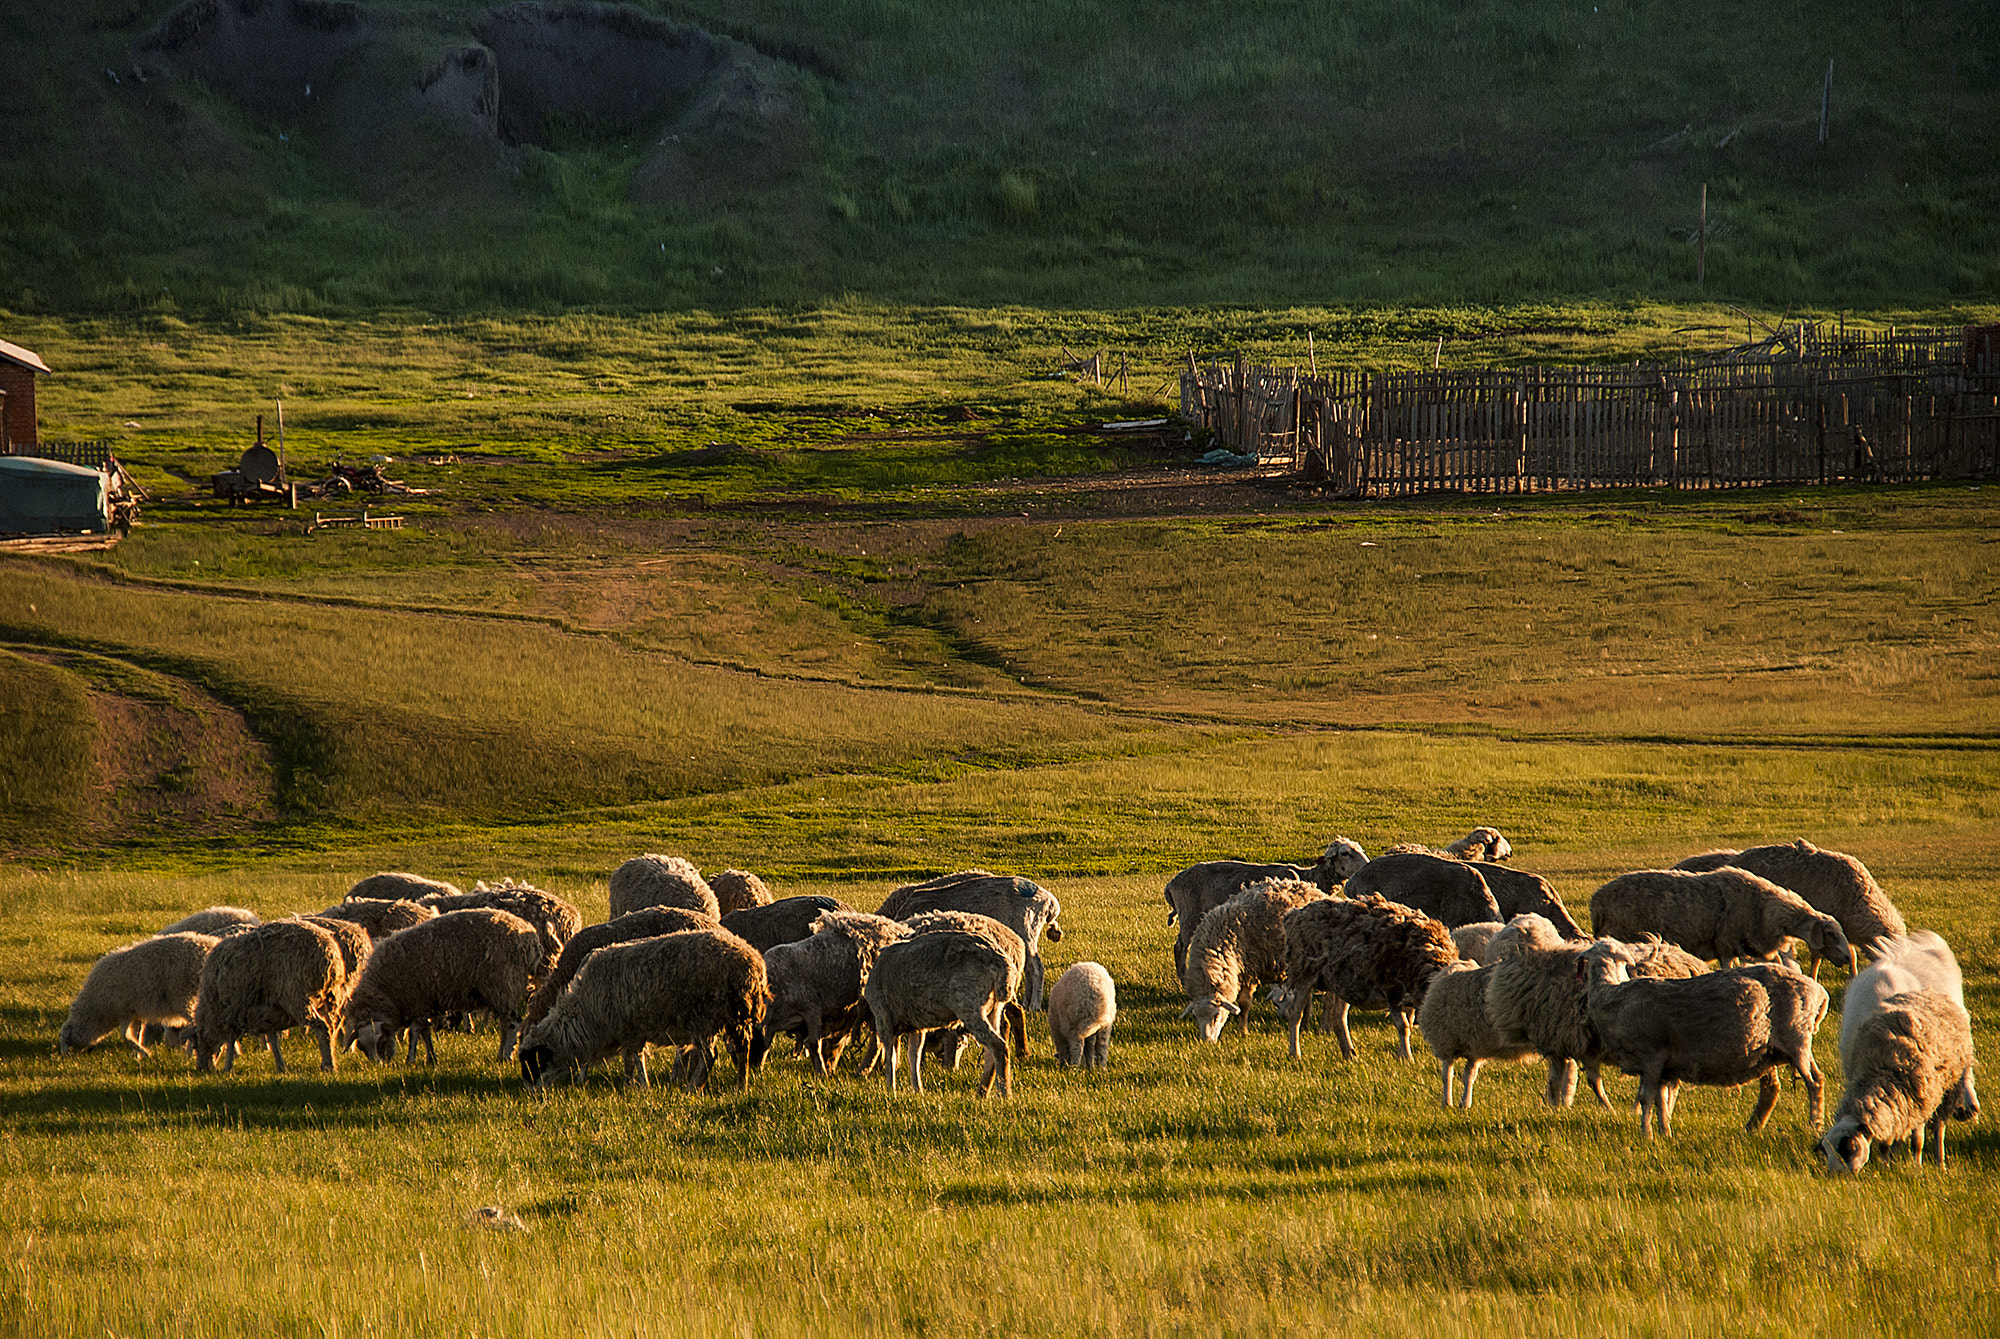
1701 246
1313 356
1437 355
1826 103
281 434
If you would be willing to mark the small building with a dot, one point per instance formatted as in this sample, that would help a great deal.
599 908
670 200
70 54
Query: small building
18 369
52 497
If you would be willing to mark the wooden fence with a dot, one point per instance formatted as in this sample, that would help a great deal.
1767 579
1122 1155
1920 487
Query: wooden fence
1925 405
90 455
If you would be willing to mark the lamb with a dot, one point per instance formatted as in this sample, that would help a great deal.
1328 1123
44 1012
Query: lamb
156 980
781 922
554 919
1921 961
1536 1001
1365 952
619 930
937 978
399 887
678 989
1455 1025
1238 946
661 881
1442 887
736 889
1829 881
1471 940
1721 1029
1723 914
380 917
213 921
1021 905
816 983
1083 1004
460 962
1904 1079
282 975
1200 889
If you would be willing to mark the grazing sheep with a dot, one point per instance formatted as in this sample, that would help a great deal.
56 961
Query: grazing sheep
679 989
781 922
459 962
1005 942
1720 1029
1520 893
816 983
1200 889
281 975
214 921
936 979
398 887
1442 887
1904 1080
736 889
1021 905
1455 1026
1536 1000
1829 881
1723 914
1365 952
1921 961
1083 1004
554 919
1237 947
619 930
380 917
661 881
1471 940
156 980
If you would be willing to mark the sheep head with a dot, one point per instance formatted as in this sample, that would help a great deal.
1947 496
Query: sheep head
1965 1101
536 1063
1825 939
374 1039
1605 963
1211 1016
1845 1146
1341 861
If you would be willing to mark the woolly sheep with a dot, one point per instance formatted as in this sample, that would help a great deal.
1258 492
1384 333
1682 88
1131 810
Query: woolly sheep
736 889
1520 893
1721 914
554 919
1921 961
1005 942
1365 952
1238 946
1909 1058
1455 1025
632 925
155 980
1471 940
1720 1029
679 989
354 941
781 922
1083 1004
1536 1001
459 962
816 983
380 917
1200 889
213 921
1482 843
935 979
280 975
1829 881
1021 905
661 881
1443 888
400 887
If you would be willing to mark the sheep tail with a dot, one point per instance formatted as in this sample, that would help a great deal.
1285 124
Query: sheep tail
1016 1021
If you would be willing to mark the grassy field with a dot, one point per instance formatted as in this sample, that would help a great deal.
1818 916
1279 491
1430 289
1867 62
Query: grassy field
844 677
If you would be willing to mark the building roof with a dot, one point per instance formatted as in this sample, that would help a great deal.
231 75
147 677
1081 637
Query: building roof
14 353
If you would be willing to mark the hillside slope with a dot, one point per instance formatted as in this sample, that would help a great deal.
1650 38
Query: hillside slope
454 155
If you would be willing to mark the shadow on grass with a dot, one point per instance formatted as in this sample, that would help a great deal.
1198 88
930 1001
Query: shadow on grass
307 1100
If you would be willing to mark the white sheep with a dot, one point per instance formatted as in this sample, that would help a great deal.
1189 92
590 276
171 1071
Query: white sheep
459 962
554 919
1471 940
1904 1081
817 982
396 886
214 921
1720 1029
1482 843
661 881
1200 889
643 924
680 989
1023 906
156 980
380 917
1083 1004
280 975
1722 914
1364 952
1239 946
1904 963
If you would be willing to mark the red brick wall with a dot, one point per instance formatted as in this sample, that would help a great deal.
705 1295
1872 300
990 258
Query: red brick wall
19 406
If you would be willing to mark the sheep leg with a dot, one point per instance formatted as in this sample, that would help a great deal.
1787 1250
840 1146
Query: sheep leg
1815 1080
1404 1018
430 1051
1326 1007
1035 973
886 1053
1099 1050
1246 996
277 1055
1445 1066
1472 1066
1340 1025
324 1037
998 1062
1666 1095
915 1046
508 1028
1937 1124
635 1067
1297 1001
1767 1098
230 1050
1561 1089
1180 953
1597 1084
135 1032
1017 1018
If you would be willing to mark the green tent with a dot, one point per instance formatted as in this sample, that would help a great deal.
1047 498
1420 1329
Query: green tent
45 497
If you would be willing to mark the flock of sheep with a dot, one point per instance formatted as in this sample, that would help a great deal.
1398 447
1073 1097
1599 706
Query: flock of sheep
1479 957
1486 962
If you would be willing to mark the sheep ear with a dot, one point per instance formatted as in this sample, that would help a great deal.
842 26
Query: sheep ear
1232 1007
